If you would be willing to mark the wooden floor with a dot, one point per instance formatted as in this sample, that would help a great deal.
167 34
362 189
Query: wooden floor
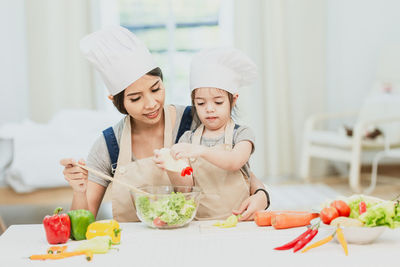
59 195
388 187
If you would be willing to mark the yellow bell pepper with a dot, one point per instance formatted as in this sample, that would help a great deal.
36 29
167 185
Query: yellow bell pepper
105 228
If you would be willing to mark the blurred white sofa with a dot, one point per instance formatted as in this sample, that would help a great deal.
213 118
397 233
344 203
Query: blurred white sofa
30 152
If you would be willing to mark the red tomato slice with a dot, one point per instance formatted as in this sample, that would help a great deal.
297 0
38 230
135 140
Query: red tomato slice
158 222
362 207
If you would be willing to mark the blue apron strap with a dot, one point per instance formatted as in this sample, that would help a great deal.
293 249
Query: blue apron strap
186 122
112 147
236 126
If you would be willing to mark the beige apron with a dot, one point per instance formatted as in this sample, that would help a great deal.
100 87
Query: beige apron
142 172
222 191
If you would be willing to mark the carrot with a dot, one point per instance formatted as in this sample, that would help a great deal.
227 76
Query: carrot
289 220
342 240
62 255
263 217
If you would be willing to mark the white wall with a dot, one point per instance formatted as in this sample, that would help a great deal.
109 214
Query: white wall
13 62
356 32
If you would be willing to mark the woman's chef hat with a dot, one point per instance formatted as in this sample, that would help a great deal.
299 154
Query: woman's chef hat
119 56
223 67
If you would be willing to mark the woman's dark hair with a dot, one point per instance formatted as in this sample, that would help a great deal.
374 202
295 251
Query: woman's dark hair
118 99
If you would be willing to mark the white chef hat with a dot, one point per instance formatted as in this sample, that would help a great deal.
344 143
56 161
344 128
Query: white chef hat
225 68
119 56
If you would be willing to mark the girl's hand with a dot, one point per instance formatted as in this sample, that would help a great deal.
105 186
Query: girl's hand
249 207
186 150
76 176
158 159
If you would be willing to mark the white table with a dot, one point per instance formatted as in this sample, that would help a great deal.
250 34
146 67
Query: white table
201 244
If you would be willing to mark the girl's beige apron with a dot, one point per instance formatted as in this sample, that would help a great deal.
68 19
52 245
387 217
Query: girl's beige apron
140 172
222 190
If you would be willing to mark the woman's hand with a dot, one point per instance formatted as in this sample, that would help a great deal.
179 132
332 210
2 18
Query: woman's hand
249 207
158 159
76 176
186 150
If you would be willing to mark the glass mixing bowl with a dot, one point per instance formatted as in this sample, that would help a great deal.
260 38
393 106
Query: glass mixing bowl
167 206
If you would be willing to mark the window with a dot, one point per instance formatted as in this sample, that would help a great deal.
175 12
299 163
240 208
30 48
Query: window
173 31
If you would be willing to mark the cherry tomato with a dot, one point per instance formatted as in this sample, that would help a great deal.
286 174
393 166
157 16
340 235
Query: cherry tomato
328 214
158 222
342 207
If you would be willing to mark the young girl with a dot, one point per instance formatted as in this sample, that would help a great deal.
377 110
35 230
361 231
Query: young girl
218 149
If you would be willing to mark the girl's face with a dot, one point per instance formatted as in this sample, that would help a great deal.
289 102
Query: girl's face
144 99
213 107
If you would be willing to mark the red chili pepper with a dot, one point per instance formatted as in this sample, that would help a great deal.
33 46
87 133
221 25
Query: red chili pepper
292 243
57 227
362 207
305 240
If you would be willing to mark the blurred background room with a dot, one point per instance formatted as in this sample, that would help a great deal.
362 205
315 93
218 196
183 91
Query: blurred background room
325 108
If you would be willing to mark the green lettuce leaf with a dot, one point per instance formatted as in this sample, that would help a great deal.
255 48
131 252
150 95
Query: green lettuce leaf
381 214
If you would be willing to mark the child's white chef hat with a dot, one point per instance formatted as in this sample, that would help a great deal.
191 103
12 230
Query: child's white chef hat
119 56
225 68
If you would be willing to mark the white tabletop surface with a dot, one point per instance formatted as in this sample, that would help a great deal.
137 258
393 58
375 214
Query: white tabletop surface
201 244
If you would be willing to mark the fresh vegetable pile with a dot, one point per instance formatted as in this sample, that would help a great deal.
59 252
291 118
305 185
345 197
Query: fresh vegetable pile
170 210
360 210
377 212
78 225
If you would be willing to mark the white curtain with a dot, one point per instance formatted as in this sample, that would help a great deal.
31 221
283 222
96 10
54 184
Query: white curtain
58 75
286 39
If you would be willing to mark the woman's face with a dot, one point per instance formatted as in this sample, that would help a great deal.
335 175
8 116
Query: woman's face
144 99
213 107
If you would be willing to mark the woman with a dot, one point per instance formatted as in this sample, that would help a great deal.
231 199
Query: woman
135 84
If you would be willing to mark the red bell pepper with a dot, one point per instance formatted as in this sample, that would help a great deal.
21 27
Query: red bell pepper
186 171
57 227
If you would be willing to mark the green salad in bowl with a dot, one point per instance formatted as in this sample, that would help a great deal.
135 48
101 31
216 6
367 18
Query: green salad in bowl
167 206
362 218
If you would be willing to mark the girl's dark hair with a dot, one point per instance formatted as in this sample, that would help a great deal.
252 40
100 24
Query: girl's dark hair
118 99
230 98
